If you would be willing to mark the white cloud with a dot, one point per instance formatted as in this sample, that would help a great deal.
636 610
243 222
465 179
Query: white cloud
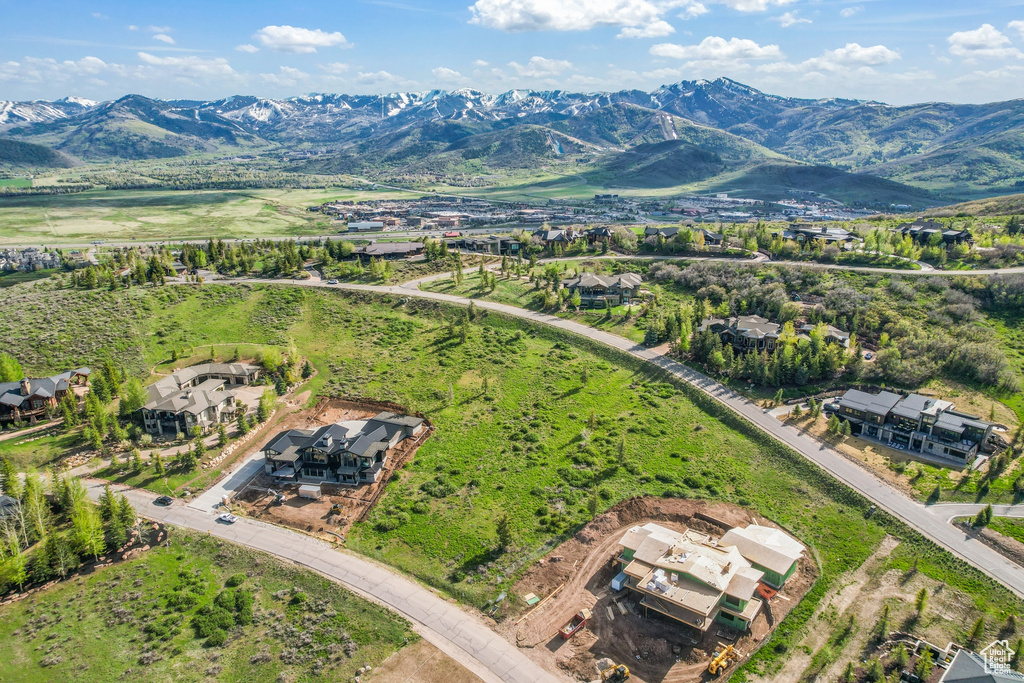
541 67
984 42
297 40
790 18
247 48
848 12
335 68
754 5
855 54
189 66
99 15
286 77
575 15
158 29
164 38
444 74
49 70
375 77
655 29
1017 26
714 48
481 63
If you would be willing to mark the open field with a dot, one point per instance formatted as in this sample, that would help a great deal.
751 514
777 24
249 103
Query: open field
16 182
532 423
141 620
9 278
168 214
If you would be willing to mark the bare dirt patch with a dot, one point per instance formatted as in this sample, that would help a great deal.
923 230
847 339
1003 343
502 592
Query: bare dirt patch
330 516
421 663
655 648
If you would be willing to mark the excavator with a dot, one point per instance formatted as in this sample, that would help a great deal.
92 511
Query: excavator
617 673
720 662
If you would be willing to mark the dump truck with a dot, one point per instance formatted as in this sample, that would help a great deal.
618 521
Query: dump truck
720 662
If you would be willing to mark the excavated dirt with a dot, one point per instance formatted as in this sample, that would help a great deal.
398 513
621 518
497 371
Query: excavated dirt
655 648
339 507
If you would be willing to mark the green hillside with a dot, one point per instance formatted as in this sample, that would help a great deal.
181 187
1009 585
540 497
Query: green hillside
17 154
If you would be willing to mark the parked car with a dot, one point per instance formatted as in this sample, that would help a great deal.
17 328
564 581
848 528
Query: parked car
332 282
868 355
227 518
163 500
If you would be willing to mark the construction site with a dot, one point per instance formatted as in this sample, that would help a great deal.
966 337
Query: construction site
596 604
335 507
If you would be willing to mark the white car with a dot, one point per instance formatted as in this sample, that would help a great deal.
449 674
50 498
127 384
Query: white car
332 282
227 518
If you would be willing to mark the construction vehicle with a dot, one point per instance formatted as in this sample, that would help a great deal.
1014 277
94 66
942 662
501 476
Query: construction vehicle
617 673
720 662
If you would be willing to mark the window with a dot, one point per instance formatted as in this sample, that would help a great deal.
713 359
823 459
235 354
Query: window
730 600
314 472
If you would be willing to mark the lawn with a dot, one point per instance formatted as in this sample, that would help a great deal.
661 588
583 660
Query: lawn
16 182
9 278
1008 526
38 450
540 425
117 623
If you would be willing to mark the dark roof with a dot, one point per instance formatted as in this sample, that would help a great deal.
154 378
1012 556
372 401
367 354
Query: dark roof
375 436
623 281
384 248
47 387
880 403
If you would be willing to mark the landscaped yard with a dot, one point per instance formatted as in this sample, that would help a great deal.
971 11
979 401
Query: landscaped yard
144 620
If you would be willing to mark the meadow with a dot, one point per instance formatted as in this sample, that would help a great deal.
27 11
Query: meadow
541 426
126 215
150 619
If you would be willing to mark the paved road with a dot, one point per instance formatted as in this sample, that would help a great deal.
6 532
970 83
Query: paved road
457 633
948 511
913 513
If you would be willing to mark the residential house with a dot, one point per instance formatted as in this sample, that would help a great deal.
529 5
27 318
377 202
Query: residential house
833 335
599 234
804 233
29 398
552 237
595 290
198 395
915 423
712 239
922 231
350 453
754 333
387 250
745 332
689 577
970 667
667 233
769 550
491 244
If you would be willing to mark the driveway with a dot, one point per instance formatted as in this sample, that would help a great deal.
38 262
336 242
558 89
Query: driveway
459 634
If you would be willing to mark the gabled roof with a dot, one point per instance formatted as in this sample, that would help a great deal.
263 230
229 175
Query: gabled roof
968 667
880 403
771 548
43 387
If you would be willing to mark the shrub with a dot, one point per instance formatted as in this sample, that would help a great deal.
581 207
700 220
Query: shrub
235 580
216 639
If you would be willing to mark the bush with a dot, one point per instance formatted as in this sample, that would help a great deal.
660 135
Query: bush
235 580
208 620
216 639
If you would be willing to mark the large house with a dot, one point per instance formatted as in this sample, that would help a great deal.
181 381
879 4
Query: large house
754 333
915 423
922 231
387 250
804 233
29 398
698 581
595 290
351 453
195 396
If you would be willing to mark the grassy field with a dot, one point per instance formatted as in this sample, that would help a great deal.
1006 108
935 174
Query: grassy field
16 182
1007 526
165 214
9 278
35 451
541 426
125 623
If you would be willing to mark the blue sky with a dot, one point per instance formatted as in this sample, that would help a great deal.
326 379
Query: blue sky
897 52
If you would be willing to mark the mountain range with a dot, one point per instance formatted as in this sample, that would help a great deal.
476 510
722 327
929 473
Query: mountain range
709 132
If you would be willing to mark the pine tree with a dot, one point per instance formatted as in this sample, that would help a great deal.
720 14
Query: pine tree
504 530
107 503
158 463
977 632
222 435
243 424
921 601
136 461
846 428
9 481
797 412
924 665
199 447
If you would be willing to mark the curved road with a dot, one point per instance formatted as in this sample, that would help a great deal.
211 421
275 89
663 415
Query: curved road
454 631
913 513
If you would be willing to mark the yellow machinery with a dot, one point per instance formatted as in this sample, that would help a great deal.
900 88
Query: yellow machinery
615 674
721 660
